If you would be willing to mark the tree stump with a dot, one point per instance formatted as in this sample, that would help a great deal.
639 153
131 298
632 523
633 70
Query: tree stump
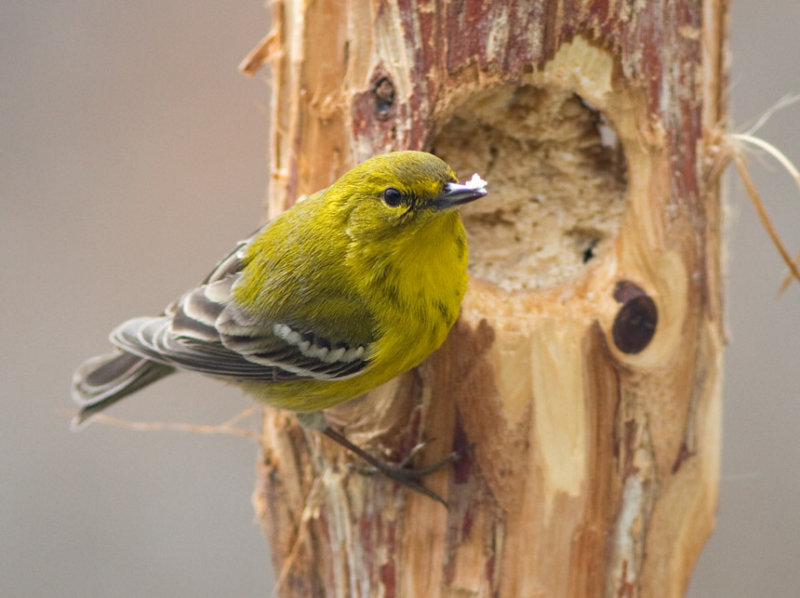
586 364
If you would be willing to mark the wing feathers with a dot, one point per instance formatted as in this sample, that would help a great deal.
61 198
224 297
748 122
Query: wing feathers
212 337
205 331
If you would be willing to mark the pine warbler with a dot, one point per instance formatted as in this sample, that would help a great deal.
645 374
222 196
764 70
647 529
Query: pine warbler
349 288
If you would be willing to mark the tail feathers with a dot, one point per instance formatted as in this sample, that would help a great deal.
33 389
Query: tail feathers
102 381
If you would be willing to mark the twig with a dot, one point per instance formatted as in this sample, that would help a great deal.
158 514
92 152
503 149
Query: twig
228 427
267 48
741 167
787 281
744 174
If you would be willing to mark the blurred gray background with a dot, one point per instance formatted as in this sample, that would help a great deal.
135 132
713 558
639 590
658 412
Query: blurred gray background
133 156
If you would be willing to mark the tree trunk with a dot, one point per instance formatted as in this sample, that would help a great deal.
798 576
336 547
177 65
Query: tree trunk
586 364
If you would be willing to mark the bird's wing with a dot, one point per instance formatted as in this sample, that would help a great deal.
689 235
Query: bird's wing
206 331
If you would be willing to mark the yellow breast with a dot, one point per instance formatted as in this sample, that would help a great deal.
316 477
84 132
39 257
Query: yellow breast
414 290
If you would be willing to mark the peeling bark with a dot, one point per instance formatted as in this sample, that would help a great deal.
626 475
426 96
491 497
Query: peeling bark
586 364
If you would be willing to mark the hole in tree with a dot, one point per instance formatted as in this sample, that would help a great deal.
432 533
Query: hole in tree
557 183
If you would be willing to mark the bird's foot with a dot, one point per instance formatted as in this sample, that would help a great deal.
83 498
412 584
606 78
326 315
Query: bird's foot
400 472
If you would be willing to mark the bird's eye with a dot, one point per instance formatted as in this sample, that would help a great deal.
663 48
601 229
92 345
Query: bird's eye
392 197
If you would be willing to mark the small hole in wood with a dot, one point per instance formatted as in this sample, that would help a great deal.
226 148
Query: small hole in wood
384 97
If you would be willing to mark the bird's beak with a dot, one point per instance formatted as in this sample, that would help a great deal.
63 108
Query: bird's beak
455 194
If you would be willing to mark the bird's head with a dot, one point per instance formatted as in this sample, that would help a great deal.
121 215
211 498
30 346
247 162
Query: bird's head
397 193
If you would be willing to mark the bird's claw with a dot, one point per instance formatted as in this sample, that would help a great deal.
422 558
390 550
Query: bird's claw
408 476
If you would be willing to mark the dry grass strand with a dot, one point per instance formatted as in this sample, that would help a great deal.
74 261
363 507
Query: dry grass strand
755 197
228 427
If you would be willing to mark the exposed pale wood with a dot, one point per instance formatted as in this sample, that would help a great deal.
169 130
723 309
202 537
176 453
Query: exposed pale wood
596 458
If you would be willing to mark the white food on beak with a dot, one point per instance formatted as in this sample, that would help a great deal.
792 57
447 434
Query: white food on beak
476 182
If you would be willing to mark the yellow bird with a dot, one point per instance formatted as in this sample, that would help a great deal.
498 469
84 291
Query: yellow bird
349 288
